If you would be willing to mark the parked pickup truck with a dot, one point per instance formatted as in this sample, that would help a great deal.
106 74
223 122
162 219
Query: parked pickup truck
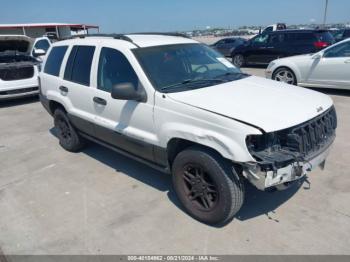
181 107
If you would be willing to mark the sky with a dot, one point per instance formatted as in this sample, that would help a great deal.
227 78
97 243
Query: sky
121 16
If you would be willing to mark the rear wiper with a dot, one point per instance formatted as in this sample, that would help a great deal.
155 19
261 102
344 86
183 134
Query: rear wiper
192 81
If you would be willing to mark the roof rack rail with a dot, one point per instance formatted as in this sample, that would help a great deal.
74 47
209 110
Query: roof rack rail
125 37
115 36
160 33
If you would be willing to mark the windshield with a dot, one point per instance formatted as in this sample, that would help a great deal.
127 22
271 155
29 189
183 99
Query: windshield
181 67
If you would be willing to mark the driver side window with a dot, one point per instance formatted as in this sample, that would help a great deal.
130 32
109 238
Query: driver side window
114 68
260 39
342 50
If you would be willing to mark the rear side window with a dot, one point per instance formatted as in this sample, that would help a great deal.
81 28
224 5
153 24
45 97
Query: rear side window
114 68
79 63
325 37
54 60
301 38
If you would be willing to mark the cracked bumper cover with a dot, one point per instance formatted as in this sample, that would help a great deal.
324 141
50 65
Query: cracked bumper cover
282 176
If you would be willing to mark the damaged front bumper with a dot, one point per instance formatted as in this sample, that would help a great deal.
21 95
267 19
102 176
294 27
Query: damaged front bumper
287 155
284 176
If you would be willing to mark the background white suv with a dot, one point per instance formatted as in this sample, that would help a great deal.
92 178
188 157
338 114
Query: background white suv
20 59
179 106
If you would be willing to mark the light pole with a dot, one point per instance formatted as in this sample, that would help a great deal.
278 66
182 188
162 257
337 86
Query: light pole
325 14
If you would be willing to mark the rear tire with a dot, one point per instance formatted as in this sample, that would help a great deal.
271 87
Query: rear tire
68 137
238 60
206 186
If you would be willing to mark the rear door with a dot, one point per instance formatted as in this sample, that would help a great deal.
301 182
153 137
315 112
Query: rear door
333 69
76 87
300 43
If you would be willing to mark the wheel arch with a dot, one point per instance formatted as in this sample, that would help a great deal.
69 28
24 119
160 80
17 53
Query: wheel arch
53 105
177 145
295 72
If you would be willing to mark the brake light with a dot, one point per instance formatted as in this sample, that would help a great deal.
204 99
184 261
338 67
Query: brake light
321 44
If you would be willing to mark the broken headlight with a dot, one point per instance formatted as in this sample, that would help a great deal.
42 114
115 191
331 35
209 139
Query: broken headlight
268 151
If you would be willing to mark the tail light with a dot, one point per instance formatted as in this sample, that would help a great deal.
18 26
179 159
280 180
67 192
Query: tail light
320 44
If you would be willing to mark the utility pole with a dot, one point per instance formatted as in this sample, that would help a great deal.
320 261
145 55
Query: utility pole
325 13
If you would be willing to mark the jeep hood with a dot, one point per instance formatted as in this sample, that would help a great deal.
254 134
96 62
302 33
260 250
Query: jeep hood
260 102
15 43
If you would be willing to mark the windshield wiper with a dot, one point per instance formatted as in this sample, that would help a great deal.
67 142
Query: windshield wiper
231 74
192 81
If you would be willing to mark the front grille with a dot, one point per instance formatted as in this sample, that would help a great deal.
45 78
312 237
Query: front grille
9 74
311 136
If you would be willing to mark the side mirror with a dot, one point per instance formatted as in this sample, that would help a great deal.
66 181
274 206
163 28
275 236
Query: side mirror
39 52
317 56
127 91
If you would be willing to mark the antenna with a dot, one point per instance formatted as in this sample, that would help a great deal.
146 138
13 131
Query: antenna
325 14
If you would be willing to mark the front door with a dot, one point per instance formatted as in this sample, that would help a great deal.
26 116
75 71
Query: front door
127 125
257 51
333 69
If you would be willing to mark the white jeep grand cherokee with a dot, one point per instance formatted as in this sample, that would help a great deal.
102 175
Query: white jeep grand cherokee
179 106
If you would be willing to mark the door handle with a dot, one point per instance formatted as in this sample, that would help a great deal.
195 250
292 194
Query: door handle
63 89
100 101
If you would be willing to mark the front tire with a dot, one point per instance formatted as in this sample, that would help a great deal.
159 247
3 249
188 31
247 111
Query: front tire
238 60
285 75
68 137
206 186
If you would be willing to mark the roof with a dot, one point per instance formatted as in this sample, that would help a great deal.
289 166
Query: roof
36 25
